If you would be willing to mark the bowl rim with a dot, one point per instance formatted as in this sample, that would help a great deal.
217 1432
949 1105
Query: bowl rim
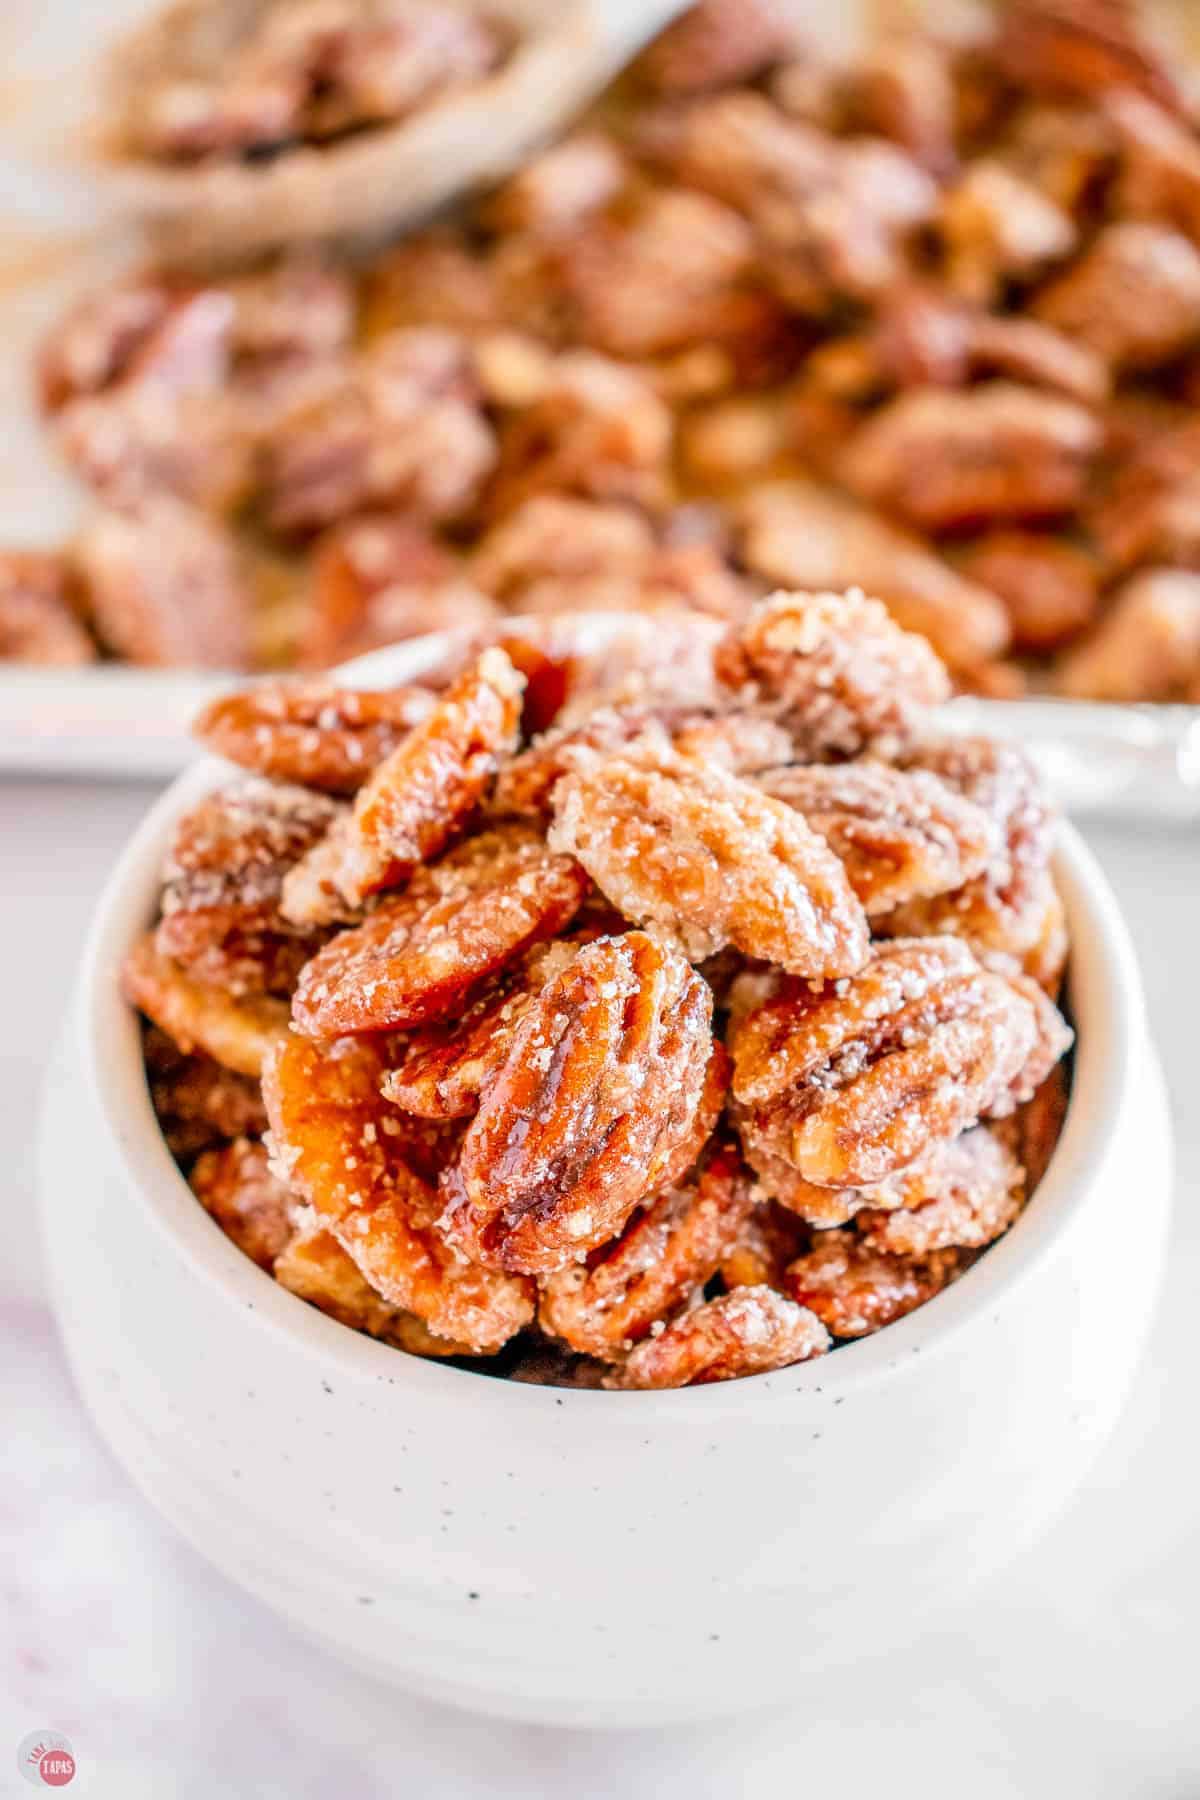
1105 988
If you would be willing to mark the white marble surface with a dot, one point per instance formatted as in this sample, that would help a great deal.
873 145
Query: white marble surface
1078 1676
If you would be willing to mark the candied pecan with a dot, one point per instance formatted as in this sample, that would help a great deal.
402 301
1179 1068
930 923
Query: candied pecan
1160 172
742 743
443 1069
677 272
37 622
313 1266
558 190
902 87
1150 512
669 1248
717 43
554 534
1146 646
997 228
310 732
401 428
1033 1131
598 429
198 1102
431 278
599 1103
768 1239
977 1188
839 671
1049 586
804 536
1028 351
1004 907
1066 151
850 1082
707 860
997 451
855 1290
898 833
1133 297
922 338
1085 48
236 1031
165 586
420 794
747 1332
248 1202
223 881
344 1147
295 311
141 438
93 344
736 437
420 954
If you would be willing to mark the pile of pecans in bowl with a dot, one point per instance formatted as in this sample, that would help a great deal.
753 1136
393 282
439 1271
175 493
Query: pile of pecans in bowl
655 1019
927 323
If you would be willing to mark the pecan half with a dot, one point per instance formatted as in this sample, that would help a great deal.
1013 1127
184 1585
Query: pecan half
605 1082
345 1149
248 1202
853 1081
747 1332
855 1290
309 732
669 1248
705 859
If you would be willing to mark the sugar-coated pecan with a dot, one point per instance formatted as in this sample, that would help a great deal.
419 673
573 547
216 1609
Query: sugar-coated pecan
1133 297
749 1331
850 1082
1146 646
898 833
743 743
975 1187
903 87
166 586
597 429
1085 48
998 451
344 1148
38 624
997 228
670 1247
676 273
248 1202
1150 511
559 189
401 428
837 669
717 44
310 732
442 1069
93 344
705 859
1004 908
313 1266
1049 585
1033 1131
1160 171
424 790
557 535
223 881
198 1102
767 1240
1038 355
606 1079
235 1030
367 571
804 536
421 954
854 1290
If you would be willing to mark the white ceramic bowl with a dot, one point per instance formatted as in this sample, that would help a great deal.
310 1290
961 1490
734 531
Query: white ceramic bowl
599 1557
